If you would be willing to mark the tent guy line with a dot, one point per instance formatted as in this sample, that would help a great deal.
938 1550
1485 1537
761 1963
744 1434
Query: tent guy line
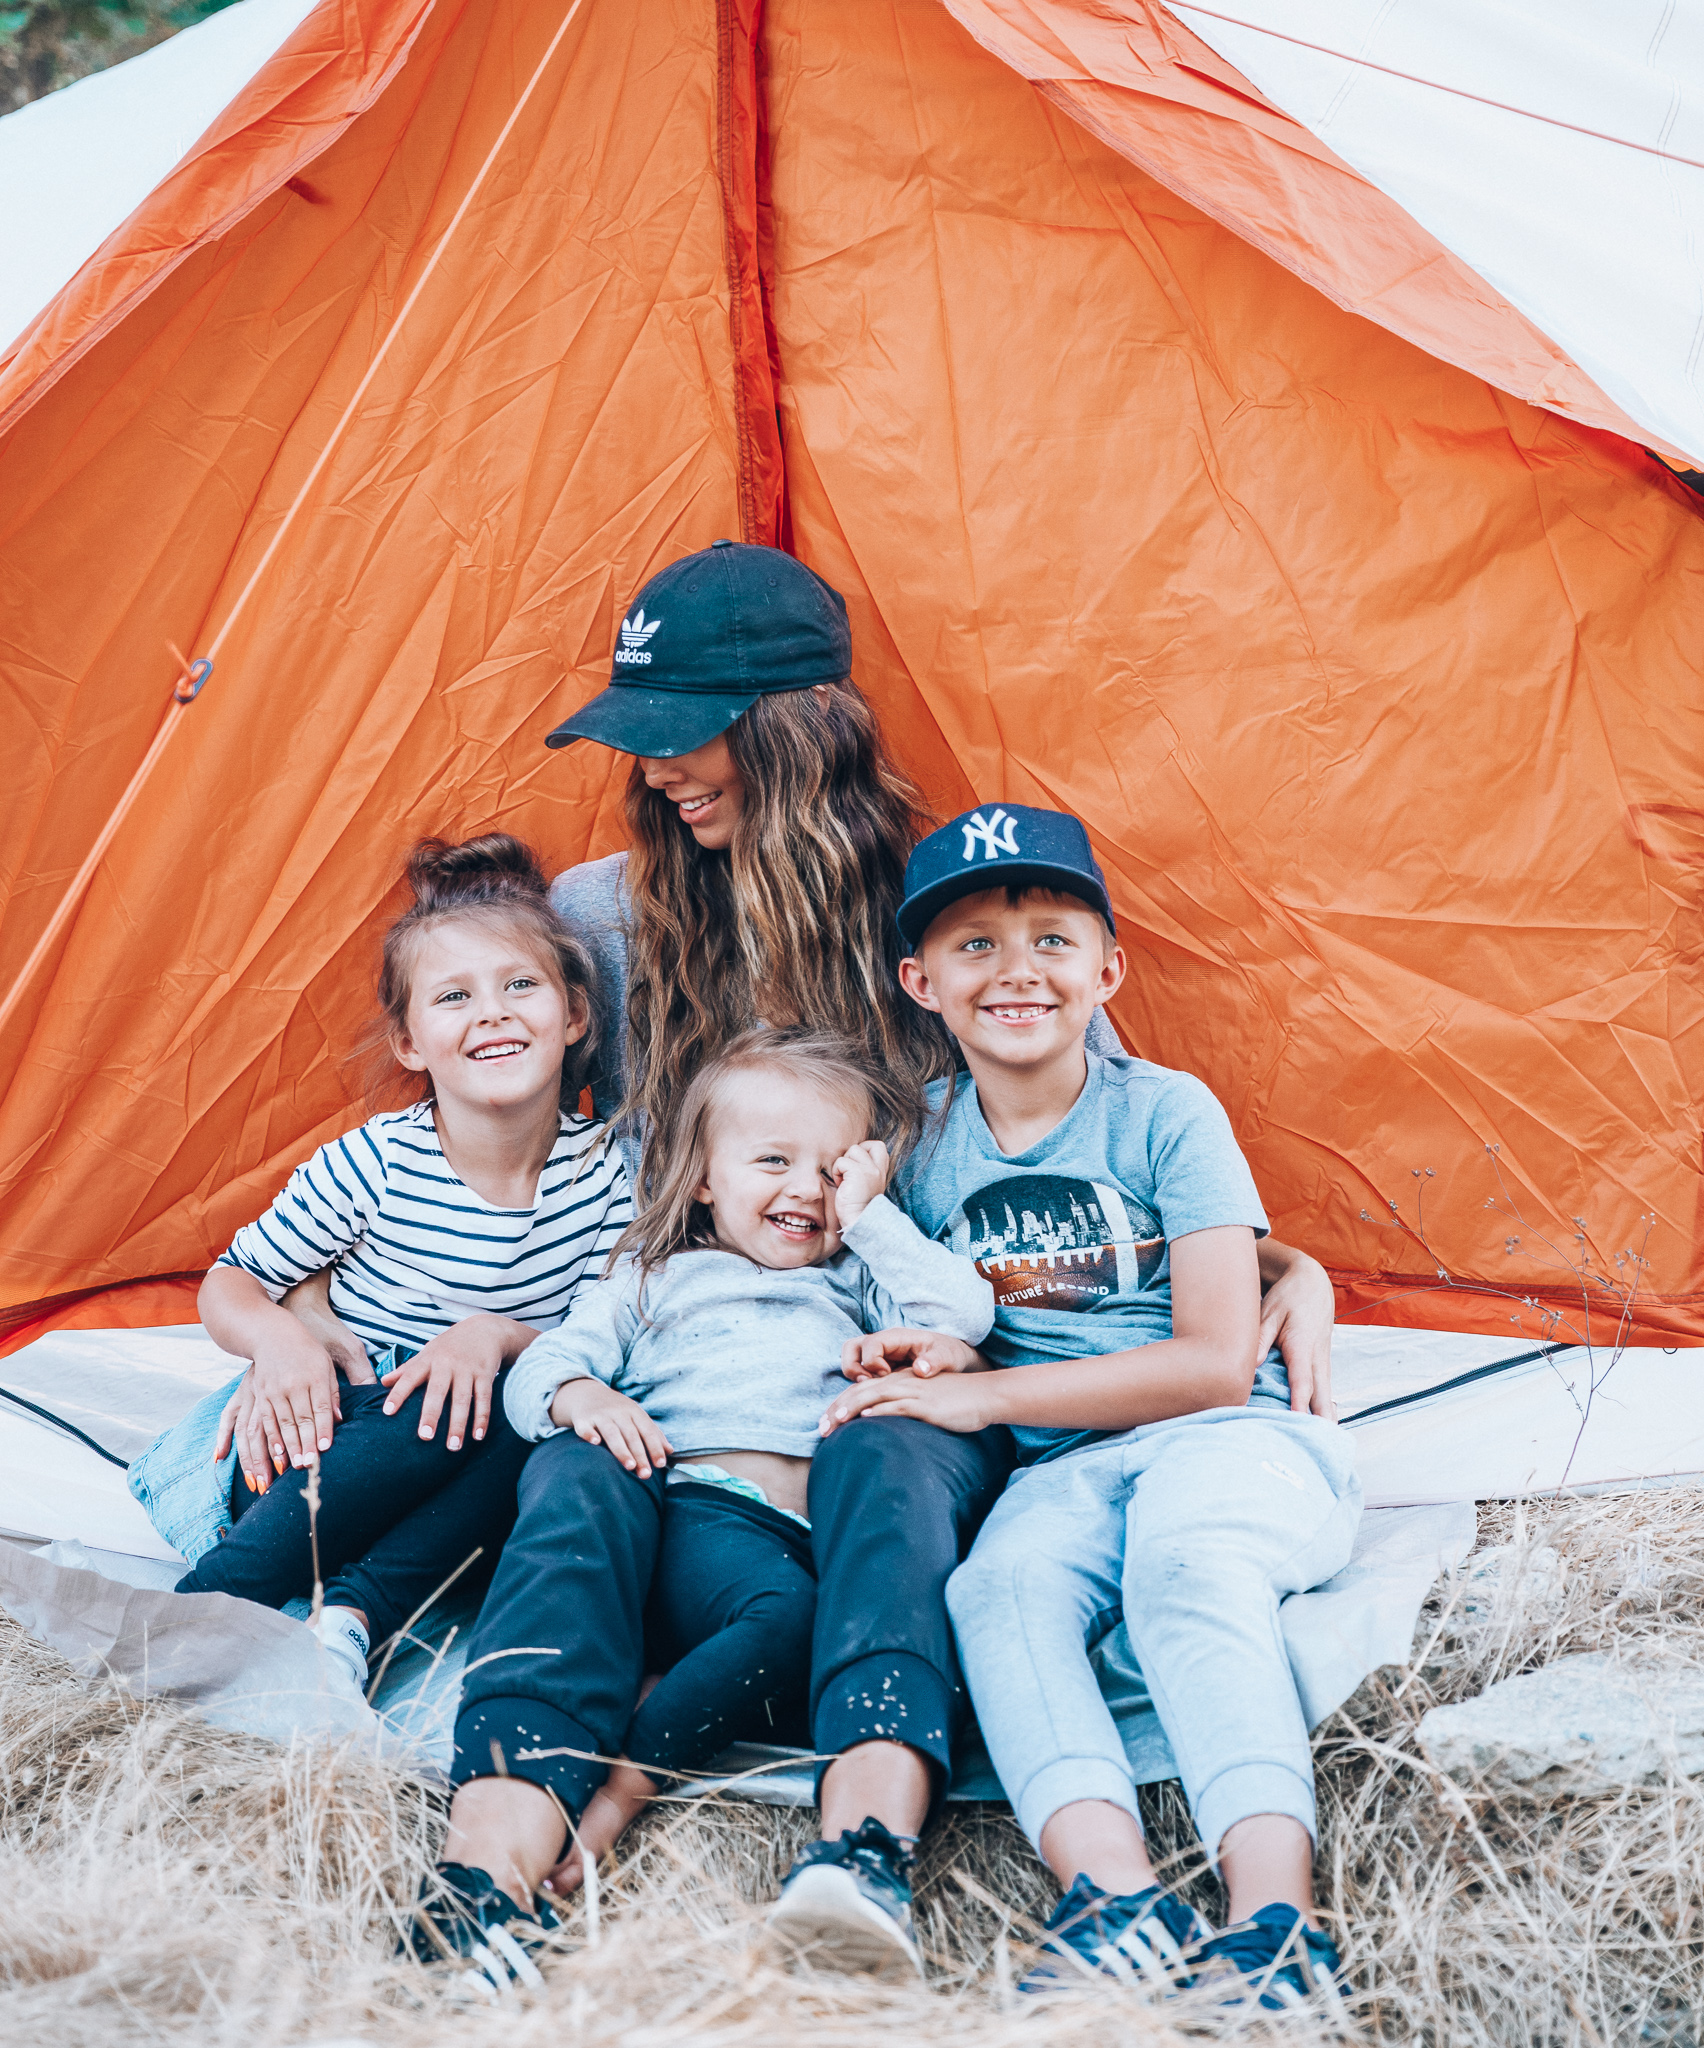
1460 92
59 1422
1480 1372
196 673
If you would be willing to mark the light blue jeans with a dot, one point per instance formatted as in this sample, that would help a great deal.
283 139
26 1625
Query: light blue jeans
1193 1531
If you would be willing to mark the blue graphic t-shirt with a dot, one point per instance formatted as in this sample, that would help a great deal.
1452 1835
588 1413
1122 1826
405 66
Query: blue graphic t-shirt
1072 1234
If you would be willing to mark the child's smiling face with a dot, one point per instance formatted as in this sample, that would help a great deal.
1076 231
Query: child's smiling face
769 1182
1015 983
486 1018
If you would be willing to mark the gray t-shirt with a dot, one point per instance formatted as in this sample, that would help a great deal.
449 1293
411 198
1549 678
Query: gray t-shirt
727 1355
1073 1234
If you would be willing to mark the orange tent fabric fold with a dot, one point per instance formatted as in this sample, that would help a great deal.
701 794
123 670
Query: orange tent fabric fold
1374 683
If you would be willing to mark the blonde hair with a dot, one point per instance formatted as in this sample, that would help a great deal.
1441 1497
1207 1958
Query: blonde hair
492 879
673 1219
793 925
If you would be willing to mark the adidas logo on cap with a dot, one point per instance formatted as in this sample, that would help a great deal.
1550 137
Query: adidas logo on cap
635 632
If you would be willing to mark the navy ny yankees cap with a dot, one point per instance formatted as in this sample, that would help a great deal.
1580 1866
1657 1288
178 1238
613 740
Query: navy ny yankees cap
704 639
995 847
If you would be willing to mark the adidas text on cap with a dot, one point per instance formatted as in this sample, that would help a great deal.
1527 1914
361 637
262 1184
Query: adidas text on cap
999 846
704 639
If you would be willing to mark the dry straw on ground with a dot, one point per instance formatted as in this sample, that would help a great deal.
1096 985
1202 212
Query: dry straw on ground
163 1882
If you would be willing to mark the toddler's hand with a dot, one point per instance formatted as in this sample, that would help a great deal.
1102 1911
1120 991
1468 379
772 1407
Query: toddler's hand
926 1352
599 1415
860 1175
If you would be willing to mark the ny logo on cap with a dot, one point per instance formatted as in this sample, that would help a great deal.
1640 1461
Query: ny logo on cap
995 835
634 634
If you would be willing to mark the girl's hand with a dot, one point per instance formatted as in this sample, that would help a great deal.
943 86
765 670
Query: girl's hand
959 1402
1297 1314
460 1363
860 1175
310 1304
599 1415
926 1352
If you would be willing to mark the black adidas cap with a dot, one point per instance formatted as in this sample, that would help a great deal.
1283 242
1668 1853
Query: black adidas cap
704 639
995 846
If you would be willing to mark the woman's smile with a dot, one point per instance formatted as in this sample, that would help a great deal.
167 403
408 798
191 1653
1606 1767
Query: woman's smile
705 788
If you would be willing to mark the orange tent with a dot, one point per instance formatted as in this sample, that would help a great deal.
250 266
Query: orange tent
1171 472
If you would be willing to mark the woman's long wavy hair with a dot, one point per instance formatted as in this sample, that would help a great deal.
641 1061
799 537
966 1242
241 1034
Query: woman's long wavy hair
674 1219
794 924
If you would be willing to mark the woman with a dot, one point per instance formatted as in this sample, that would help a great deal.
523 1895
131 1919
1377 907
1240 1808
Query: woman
770 832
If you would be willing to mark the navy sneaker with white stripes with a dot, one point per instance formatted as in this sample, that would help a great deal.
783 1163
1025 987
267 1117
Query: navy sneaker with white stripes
846 1905
1150 1937
463 1916
1274 1961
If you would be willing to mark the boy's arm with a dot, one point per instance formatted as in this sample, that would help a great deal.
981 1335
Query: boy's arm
914 1282
1208 1361
1297 1314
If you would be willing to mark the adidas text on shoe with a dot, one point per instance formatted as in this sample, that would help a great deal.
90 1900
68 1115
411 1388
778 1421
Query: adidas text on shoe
1150 1938
1274 1961
846 1905
462 1917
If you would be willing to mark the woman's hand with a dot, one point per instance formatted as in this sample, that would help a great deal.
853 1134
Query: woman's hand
237 1425
461 1365
959 1402
599 1415
291 1406
310 1304
860 1175
1297 1314
926 1352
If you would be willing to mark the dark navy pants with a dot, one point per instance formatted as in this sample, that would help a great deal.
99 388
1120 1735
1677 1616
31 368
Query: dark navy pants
396 1515
557 1659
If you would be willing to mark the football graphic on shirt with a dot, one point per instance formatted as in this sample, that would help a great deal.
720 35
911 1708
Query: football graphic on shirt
1045 1240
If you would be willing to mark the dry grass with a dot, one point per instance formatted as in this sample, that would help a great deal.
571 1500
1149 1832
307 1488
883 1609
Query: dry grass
161 1881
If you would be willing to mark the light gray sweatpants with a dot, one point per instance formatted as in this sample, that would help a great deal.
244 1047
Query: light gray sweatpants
1195 1529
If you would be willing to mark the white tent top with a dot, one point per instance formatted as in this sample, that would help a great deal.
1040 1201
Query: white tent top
76 164
1599 243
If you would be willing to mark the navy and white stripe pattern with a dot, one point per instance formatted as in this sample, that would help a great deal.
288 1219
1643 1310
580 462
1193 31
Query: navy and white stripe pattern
414 1250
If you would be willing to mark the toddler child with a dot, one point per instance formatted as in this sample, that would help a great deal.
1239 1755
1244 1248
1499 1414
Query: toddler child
703 1362
1162 1471
455 1230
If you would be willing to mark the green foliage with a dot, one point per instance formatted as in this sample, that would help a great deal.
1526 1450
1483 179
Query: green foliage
49 43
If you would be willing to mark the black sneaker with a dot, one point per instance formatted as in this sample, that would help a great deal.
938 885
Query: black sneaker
1275 1961
1151 1937
846 1905
463 1916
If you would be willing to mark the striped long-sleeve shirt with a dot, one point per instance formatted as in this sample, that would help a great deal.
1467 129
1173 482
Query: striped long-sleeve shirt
412 1249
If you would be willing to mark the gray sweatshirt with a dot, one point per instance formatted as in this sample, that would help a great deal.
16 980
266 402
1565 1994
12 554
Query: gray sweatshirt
728 1355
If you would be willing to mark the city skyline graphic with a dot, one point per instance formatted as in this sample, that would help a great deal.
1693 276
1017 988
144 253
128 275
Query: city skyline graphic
1054 1241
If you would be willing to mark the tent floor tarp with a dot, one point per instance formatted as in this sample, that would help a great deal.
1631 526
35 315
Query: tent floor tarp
1445 1420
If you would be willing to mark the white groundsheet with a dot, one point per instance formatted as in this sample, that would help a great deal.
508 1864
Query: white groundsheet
91 1576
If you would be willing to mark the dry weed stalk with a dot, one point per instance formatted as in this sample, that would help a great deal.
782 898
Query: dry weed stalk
167 1882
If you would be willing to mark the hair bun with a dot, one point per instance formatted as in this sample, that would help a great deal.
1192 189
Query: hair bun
495 868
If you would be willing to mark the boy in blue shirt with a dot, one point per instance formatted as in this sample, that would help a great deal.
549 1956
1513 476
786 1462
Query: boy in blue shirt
1162 1470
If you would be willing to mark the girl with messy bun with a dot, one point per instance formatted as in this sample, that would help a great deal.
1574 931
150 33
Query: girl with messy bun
455 1230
